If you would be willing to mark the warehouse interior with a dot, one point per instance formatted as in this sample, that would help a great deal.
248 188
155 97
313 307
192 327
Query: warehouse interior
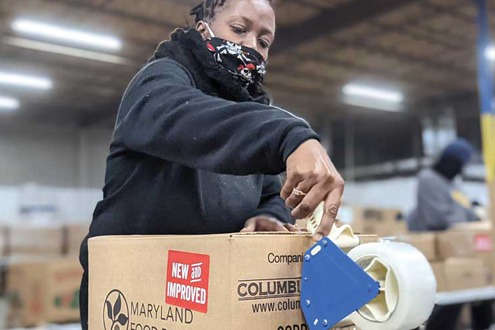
386 84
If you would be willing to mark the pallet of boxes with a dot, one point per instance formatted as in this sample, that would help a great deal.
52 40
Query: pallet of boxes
465 257
40 274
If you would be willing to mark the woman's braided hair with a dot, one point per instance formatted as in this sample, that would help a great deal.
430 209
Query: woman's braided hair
206 10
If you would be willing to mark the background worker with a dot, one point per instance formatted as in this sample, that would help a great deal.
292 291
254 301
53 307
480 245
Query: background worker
441 204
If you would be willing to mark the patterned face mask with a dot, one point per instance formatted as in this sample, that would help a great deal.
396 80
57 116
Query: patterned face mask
244 63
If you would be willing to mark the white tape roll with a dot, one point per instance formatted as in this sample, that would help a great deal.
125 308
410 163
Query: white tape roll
407 286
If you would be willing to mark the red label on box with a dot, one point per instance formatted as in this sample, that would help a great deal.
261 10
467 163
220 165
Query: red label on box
483 243
187 280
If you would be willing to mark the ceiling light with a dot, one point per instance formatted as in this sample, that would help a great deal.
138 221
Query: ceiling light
490 53
372 104
63 34
63 50
8 104
25 81
368 92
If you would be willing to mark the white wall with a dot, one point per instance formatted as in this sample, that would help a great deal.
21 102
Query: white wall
68 204
53 155
94 146
55 166
41 154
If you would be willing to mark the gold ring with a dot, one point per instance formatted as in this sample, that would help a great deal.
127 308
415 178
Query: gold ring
298 192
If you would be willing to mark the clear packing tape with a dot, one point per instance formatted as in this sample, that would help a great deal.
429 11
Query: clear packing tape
407 286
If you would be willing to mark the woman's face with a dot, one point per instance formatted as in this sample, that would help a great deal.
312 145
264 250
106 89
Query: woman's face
250 23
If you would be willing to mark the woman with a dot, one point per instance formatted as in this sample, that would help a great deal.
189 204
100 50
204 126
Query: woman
197 147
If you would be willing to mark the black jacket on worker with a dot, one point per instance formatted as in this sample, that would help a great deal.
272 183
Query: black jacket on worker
193 152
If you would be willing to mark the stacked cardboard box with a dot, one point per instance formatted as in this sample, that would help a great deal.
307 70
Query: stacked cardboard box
424 242
461 258
34 240
465 257
466 241
467 254
460 274
3 240
73 236
377 221
236 281
42 290
43 241
38 284
439 271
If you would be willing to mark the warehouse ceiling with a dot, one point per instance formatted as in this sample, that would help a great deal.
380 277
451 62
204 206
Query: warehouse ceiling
424 48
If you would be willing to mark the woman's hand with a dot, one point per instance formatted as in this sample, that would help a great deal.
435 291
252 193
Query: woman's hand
311 179
267 223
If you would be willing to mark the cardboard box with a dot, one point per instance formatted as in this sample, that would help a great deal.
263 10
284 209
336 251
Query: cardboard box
484 226
42 290
424 242
74 234
491 189
439 271
464 243
4 249
235 281
468 240
466 273
460 274
35 240
378 221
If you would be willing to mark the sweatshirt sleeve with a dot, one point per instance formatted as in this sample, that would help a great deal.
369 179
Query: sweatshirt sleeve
440 211
271 203
163 115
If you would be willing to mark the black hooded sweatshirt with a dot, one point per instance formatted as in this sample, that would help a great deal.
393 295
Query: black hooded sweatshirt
193 152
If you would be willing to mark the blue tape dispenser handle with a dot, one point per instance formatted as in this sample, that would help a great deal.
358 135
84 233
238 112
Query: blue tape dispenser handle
333 285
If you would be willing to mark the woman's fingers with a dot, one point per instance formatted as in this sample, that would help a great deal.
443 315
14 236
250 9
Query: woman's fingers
292 228
325 183
279 226
298 193
310 201
332 205
293 179
249 226
263 223
310 171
